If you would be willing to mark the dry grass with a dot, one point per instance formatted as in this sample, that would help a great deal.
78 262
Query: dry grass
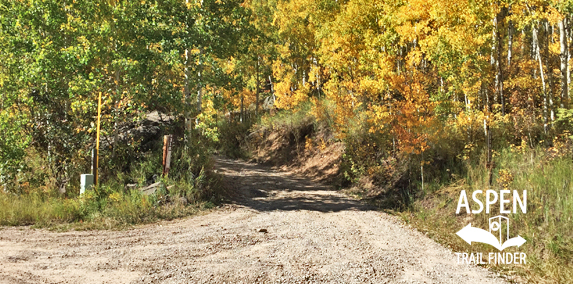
546 226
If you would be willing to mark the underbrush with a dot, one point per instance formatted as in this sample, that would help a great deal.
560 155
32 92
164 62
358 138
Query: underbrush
284 134
424 188
232 139
92 210
547 226
105 207
118 201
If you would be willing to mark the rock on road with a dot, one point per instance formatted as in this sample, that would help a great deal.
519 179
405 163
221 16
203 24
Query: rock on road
281 228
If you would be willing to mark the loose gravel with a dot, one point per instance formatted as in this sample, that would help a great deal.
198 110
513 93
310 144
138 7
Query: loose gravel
281 228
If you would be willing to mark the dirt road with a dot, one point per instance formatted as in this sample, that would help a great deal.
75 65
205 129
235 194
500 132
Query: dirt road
281 229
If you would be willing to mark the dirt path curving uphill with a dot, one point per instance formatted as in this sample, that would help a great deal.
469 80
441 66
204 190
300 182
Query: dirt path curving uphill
280 229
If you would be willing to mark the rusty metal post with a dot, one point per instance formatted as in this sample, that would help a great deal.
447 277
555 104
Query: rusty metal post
167 140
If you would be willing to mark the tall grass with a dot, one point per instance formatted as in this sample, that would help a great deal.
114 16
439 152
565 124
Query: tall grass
547 226
36 209
111 205
287 120
393 181
90 211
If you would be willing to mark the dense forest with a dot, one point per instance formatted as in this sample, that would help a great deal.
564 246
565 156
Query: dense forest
485 73
420 93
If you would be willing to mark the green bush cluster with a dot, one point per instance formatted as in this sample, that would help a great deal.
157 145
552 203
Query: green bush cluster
232 138
189 186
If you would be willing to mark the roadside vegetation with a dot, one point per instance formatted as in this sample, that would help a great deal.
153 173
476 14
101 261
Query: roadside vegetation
546 175
403 103
394 184
190 187
159 68
102 208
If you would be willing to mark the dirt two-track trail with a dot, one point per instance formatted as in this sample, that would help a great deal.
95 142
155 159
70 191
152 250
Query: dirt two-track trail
281 228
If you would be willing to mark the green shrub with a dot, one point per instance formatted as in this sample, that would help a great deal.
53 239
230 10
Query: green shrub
36 209
110 205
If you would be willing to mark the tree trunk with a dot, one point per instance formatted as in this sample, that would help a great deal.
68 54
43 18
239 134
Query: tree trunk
487 133
548 38
199 82
468 108
257 90
242 108
489 164
187 96
272 85
509 42
498 64
118 96
568 34
563 56
538 56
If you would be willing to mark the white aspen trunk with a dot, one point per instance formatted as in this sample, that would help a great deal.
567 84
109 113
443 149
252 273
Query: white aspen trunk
272 85
509 41
498 59
568 35
487 132
549 37
317 75
538 57
199 82
187 95
242 108
523 45
563 56
493 57
468 102
257 88
509 44
533 42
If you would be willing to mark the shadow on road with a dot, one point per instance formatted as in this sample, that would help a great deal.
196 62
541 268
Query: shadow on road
264 189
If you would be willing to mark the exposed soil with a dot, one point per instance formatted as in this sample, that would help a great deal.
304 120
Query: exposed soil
302 150
281 228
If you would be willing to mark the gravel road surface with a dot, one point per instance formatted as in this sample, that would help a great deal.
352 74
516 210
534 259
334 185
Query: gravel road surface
281 228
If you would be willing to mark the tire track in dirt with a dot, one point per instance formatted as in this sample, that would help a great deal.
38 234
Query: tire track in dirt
280 228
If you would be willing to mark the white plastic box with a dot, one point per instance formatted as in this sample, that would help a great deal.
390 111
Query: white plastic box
86 182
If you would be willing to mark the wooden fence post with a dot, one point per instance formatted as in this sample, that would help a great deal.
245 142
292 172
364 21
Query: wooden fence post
167 141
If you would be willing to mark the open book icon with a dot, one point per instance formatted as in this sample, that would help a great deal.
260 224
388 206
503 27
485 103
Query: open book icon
472 234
